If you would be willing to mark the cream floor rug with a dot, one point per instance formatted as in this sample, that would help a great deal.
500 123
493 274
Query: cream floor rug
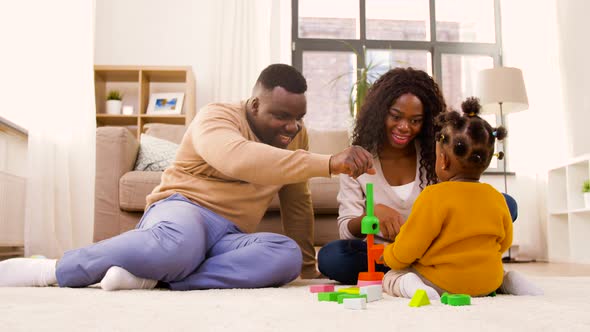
564 307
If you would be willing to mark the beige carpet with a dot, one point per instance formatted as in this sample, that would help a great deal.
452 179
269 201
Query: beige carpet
565 306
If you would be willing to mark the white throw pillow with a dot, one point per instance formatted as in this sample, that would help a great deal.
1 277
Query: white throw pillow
154 154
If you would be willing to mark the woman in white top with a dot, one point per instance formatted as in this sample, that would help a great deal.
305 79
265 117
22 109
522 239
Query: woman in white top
395 124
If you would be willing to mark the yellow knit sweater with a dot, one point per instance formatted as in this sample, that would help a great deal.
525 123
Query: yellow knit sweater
455 237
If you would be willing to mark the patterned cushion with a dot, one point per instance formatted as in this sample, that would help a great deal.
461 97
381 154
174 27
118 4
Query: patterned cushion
154 154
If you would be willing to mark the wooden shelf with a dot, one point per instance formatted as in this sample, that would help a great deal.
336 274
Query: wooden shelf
137 83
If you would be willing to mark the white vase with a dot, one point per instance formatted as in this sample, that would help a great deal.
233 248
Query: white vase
113 107
587 200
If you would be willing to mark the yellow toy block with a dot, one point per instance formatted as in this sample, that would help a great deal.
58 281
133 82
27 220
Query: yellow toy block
349 290
419 299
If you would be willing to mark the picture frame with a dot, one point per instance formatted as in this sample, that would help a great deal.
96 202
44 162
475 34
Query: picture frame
165 103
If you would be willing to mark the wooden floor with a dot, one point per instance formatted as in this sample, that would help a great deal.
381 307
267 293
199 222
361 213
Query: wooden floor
542 269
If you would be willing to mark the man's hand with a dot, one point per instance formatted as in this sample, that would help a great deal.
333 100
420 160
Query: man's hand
353 161
390 221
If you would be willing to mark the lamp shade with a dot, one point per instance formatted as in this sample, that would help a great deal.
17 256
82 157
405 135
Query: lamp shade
503 85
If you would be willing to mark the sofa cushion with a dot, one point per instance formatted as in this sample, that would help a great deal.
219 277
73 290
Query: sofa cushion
323 195
155 154
134 187
327 141
169 132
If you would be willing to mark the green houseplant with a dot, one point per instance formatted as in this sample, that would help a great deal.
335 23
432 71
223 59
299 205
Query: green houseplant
586 191
114 98
365 76
368 73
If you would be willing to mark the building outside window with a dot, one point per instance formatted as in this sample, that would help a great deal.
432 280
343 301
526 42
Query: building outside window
452 40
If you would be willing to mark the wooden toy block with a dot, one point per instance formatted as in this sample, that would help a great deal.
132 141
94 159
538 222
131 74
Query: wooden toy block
419 299
373 292
343 296
355 303
349 290
444 299
321 288
328 296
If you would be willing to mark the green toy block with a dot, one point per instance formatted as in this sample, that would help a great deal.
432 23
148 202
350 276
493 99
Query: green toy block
444 299
328 296
370 223
343 296
492 294
419 299
459 300
349 290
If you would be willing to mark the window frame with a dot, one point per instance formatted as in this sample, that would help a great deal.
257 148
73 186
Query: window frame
436 49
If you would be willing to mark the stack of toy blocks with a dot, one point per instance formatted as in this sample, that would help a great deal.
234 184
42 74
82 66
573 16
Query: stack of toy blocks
369 282
370 227
351 297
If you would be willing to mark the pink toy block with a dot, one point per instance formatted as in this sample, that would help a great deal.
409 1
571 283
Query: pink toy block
362 283
321 288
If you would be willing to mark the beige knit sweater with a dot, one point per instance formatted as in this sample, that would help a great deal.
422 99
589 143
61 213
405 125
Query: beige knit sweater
222 166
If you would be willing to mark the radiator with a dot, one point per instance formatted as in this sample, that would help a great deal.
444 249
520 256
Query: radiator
12 210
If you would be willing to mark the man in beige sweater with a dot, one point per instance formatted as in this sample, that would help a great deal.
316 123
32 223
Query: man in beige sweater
196 232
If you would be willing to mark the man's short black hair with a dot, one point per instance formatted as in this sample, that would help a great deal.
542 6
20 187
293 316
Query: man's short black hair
284 76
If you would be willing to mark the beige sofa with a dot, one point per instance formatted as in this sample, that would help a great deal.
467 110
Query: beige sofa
120 191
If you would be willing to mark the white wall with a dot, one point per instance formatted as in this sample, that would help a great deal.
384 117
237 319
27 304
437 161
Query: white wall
574 47
536 137
174 33
153 32
551 47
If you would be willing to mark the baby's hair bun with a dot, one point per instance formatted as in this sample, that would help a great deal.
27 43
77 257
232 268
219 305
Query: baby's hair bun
500 133
471 106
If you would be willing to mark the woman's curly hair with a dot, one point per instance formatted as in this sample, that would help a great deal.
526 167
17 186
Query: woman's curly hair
369 127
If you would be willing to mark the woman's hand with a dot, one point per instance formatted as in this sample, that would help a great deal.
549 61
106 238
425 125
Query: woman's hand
390 221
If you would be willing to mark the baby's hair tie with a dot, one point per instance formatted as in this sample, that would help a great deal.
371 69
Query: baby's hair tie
441 138
499 155
471 114
495 133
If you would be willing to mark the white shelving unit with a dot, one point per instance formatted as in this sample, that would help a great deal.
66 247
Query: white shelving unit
568 222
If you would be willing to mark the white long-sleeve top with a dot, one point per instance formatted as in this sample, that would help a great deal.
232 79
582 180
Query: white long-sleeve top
352 198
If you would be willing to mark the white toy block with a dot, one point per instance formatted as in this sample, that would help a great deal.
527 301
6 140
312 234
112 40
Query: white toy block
374 292
355 303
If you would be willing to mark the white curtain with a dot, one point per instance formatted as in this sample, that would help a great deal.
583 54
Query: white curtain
544 121
241 46
47 87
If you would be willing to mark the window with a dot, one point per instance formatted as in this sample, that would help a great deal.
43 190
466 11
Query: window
450 39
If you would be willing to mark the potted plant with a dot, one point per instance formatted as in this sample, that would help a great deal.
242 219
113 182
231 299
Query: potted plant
586 191
114 102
